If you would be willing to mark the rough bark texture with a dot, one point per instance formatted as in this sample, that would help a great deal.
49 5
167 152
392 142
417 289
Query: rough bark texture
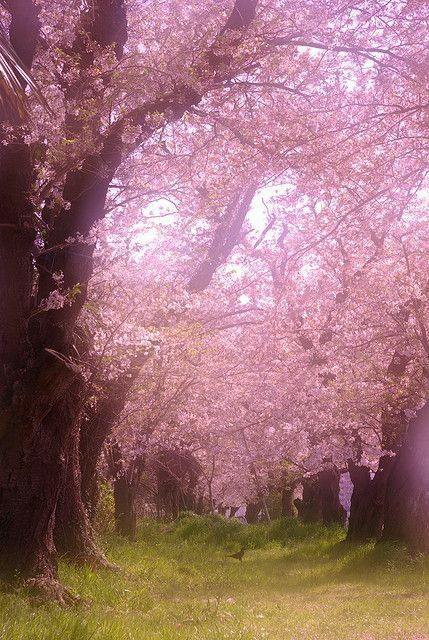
74 535
33 468
368 500
37 371
321 498
407 494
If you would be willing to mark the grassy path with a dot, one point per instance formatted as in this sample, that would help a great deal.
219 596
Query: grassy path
172 589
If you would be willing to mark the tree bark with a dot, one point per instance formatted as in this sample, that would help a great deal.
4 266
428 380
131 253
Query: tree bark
309 506
74 536
407 493
125 485
252 511
33 453
288 509
321 498
368 500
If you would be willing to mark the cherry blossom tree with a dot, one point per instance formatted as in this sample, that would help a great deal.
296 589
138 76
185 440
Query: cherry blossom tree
203 109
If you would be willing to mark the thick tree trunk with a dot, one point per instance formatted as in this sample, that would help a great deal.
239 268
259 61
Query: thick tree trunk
74 535
33 469
360 502
252 511
368 499
332 509
407 493
309 506
321 498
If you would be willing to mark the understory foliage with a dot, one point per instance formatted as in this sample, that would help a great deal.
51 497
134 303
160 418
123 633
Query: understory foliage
230 533
171 589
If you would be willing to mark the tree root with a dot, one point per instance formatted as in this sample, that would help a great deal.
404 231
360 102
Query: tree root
93 558
96 561
43 590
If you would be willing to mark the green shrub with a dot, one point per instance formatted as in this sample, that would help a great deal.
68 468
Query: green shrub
216 530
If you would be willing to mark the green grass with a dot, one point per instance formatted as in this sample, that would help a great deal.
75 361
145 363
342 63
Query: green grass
296 583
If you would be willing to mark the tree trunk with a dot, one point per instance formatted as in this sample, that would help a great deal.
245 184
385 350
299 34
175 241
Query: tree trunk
74 535
368 500
252 511
288 509
321 498
309 506
407 493
33 458
125 514
332 509
360 502
125 484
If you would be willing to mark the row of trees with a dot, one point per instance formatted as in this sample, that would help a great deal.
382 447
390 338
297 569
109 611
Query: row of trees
212 242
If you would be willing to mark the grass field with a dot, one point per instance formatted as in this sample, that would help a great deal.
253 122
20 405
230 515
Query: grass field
176 583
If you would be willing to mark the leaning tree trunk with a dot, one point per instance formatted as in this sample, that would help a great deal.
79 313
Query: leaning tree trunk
36 356
407 494
98 425
95 429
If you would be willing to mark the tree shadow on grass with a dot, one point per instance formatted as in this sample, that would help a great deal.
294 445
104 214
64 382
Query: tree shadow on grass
305 568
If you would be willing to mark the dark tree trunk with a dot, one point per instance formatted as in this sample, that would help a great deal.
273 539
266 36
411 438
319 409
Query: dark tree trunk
321 498
332 509
252 511
360 502
33 469
95 429
98 424
37 366
407 493
199 508
125 485
125 514
309 506
368 499
74 535
288 509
